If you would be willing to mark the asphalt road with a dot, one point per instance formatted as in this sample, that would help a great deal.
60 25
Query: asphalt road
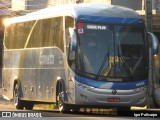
38 112
8 111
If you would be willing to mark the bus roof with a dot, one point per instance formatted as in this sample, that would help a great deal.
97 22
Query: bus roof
80 12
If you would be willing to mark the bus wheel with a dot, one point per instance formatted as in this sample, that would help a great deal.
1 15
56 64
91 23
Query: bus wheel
123 110
29 105
17 102
150 102
62 107
75 109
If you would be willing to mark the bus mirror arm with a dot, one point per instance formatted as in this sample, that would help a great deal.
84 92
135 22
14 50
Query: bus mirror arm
154 43
73 39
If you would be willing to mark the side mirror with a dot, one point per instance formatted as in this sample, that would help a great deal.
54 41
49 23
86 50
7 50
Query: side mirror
154 43
73 39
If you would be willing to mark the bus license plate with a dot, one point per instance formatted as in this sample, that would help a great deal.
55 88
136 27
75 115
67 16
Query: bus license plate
113 99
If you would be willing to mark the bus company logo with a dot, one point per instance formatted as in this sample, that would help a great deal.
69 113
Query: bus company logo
140 84
114 92
46 59
96 27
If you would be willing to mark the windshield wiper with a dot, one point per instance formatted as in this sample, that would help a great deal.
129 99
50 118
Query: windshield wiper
102 64
80 59
125 66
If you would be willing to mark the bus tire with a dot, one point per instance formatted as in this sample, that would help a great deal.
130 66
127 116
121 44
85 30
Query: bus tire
29 105
75 108
150 102
123 110
17 102
62 107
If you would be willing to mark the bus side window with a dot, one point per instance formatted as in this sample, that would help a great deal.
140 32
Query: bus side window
35 39
13 39
58 36
48 32
8 34
69 23
50 41
20 35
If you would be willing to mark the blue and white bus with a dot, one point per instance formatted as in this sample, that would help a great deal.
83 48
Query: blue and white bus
78 55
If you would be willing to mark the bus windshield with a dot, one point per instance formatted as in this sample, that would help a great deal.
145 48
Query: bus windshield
111 51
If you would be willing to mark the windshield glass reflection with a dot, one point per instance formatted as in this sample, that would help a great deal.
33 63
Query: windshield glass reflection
108 51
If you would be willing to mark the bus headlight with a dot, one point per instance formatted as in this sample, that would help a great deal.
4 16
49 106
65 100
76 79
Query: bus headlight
84 87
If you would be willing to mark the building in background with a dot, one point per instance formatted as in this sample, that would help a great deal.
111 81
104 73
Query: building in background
21 7
134 4
25 6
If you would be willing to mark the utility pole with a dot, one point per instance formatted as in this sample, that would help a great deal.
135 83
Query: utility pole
149 22
149 17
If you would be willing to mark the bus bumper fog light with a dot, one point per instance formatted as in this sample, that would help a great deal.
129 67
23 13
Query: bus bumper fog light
84 97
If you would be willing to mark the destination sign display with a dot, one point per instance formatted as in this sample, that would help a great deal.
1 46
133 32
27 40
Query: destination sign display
83 26
97 27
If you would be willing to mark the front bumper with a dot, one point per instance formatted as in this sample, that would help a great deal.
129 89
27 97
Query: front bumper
90 96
